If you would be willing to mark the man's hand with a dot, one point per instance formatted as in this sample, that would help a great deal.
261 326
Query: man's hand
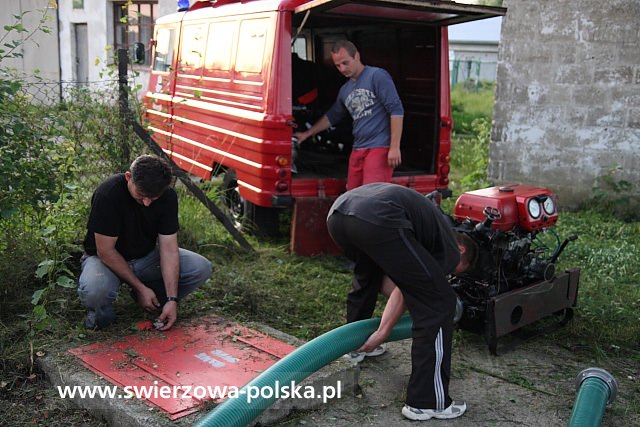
169 315
147 299
374 340
322 124
301 136
394 158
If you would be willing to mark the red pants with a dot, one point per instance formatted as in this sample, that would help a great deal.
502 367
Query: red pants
368 165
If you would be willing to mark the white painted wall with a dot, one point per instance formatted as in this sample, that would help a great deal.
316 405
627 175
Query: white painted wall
40 51
96 15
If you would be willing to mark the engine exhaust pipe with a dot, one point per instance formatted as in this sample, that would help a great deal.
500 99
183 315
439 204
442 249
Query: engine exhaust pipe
596 388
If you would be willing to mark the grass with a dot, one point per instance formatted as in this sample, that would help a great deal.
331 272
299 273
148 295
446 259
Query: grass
305 296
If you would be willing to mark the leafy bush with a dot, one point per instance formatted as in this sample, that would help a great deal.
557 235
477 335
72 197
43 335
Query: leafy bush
614 195
470 158
52 155
470 103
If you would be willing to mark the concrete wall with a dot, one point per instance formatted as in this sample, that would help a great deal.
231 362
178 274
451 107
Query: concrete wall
40 51
568 95
167 7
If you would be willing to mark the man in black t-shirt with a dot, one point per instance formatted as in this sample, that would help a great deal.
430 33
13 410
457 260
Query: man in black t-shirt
403 246
132 238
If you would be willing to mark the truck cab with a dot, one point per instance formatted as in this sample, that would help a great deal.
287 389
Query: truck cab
231 81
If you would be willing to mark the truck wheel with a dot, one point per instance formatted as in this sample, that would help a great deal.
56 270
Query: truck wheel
248 217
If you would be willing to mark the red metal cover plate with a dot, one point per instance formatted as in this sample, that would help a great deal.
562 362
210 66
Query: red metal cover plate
206 352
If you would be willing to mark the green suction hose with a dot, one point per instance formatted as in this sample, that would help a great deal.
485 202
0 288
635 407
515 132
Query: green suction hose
596 389
296 366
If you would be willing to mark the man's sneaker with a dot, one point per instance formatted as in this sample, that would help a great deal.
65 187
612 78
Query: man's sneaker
453 411
357 357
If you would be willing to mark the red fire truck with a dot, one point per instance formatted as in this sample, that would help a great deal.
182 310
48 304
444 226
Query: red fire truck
232 80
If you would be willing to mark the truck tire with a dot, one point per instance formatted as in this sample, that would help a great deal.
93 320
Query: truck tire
248 217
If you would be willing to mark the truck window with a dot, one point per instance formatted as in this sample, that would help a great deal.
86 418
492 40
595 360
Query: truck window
300 47
194 38
164 49
220 46
251 44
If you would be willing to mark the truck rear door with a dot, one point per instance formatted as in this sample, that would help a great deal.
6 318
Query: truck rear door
441 13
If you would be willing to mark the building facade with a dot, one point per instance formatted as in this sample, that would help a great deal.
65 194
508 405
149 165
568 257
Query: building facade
472 60
91 31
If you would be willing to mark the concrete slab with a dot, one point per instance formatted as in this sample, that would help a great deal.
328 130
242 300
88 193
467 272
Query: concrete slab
63 369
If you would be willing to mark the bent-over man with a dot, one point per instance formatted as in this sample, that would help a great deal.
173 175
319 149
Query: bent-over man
403 246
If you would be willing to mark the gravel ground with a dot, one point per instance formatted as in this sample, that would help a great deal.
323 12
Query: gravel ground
531 383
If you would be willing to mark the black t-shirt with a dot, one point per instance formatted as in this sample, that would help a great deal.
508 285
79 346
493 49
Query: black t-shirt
395 206
115 213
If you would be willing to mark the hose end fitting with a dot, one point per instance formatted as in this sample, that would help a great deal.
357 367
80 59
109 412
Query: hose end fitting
602 375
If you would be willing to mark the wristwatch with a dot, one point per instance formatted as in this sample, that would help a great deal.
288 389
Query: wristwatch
172 299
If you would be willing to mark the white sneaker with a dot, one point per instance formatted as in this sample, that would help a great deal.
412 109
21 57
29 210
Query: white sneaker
453 411
357 357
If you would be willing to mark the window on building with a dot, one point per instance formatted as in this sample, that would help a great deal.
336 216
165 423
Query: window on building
133 23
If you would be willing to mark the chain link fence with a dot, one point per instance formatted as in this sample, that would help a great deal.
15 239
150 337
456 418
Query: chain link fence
57 133
469 70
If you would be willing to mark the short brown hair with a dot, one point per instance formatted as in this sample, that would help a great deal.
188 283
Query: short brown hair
151 174
346 45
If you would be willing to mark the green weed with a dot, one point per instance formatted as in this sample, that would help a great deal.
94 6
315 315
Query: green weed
470 103
614 194
470 158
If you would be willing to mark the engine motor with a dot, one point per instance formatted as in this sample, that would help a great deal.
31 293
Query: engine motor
513 281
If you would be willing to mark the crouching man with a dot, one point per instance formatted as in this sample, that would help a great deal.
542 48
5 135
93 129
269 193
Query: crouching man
403 246
132 238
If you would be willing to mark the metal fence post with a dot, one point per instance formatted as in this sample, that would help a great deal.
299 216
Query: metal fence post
123 100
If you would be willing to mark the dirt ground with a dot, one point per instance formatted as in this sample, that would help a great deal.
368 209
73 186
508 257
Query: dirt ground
530 383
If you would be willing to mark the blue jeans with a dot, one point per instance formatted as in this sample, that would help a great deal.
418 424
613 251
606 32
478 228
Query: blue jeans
98 285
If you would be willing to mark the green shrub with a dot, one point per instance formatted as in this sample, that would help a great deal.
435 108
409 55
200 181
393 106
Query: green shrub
612 194
470 158
470 103
52 155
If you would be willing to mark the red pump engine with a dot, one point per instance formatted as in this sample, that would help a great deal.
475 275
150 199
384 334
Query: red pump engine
527 207
513 281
